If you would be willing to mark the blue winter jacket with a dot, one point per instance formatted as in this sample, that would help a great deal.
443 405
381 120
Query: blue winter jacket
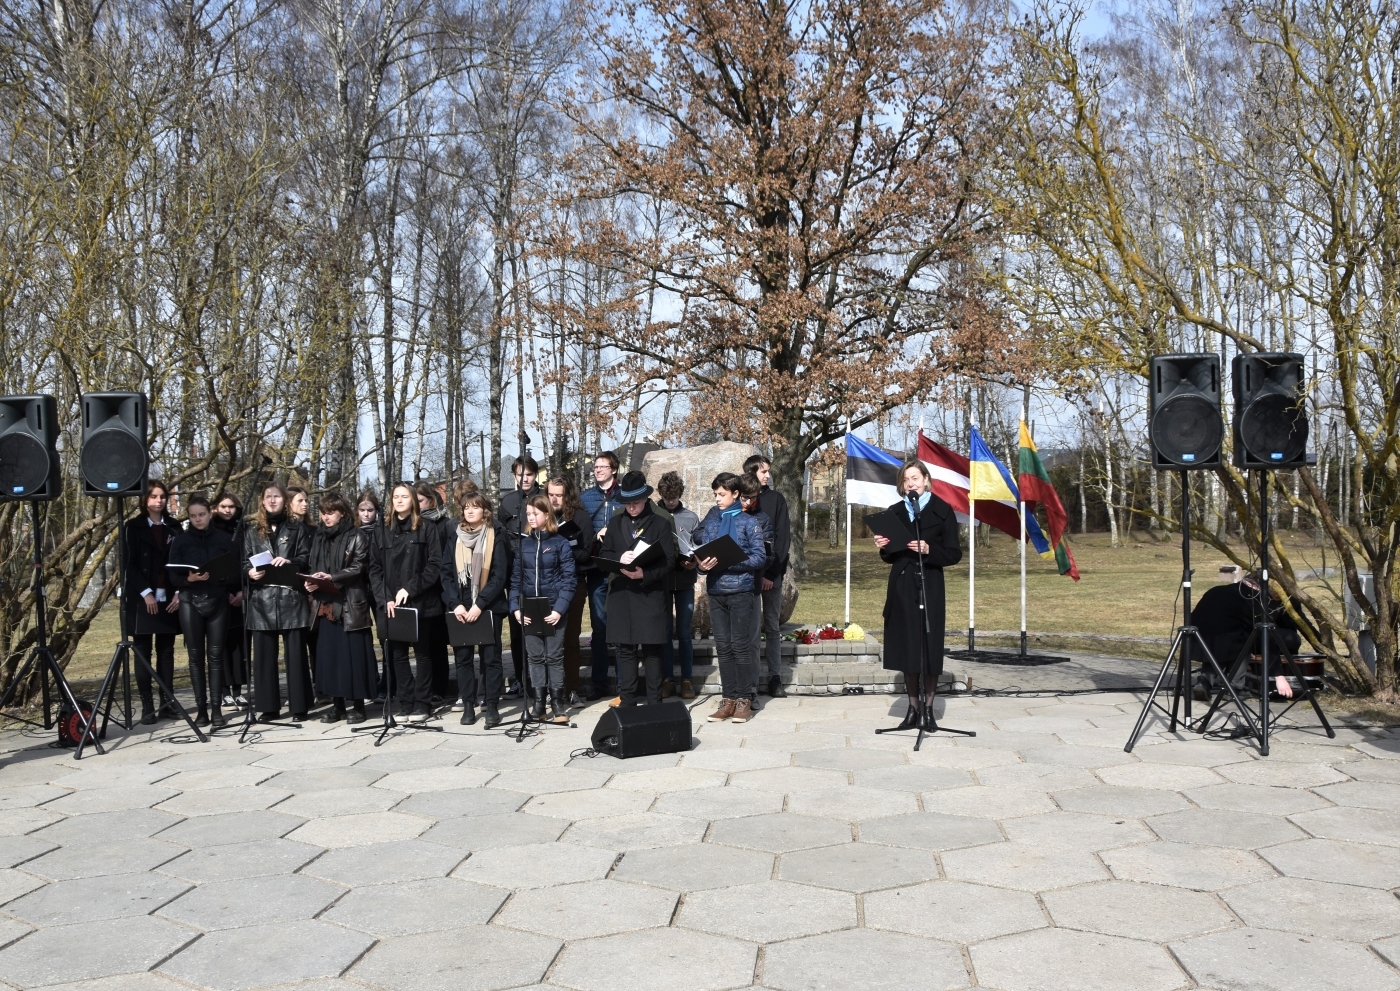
546 567
600 507
748 534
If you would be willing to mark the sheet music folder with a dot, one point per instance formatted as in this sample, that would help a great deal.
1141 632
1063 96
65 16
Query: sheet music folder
892 523
723 549
460 634
402 626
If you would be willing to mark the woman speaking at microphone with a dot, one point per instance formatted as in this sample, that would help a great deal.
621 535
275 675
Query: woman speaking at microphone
937 543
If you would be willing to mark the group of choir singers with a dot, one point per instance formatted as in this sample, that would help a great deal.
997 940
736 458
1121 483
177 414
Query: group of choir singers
313 594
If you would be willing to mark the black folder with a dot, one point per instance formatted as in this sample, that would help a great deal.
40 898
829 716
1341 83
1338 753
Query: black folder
460 634
402 626
570 532
893 523
648 556
723 549
222 569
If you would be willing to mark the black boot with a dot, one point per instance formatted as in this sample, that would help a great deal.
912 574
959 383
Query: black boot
216 694
775 687
537 713
357 715
559 708
468 713
911 718
201 694
490 716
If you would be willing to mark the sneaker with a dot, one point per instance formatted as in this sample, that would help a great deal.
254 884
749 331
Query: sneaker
514 691
687 690
459 705
668 688
576 700
775 687
229 702
420 715
743 711
725 710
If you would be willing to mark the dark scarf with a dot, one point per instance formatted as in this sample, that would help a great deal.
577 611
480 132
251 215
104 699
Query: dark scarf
321 549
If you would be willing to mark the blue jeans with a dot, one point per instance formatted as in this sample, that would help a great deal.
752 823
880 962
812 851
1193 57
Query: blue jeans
598 619
678 627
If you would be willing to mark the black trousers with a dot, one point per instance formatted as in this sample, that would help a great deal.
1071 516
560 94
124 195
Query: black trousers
235 657
628 656
267 693
434 637
204 620
492 676
163 660
517 648
410 689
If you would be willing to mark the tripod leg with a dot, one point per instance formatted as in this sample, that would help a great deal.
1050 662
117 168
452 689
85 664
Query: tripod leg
1152 696
67 692
1307 692
1228 687
169 692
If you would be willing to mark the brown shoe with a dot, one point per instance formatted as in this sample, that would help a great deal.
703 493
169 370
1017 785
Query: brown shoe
743 711
725 710
668 688
687 691
615 702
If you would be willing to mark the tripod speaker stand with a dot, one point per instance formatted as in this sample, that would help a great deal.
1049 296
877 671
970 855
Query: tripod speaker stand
1187 635
42 654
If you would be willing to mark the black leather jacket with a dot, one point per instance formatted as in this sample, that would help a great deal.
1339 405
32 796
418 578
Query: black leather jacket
342 551
277 607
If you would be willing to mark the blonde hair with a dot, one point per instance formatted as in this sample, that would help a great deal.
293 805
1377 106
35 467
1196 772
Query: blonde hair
412 504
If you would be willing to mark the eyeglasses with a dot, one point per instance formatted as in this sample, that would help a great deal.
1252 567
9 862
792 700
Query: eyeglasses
604 466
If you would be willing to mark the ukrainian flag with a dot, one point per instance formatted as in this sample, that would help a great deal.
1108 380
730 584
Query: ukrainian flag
989 480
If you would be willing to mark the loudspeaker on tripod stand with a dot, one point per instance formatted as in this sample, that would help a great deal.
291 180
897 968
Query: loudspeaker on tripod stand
1183 419
29 465
114 458
1271 422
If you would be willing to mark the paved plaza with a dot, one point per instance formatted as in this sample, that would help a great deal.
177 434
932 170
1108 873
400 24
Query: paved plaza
795 853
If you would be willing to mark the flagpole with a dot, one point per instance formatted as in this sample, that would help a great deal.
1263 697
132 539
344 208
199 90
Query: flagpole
1021 504
848 537
971 573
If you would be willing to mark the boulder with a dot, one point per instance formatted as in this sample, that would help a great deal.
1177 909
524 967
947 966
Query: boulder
697 467
700 624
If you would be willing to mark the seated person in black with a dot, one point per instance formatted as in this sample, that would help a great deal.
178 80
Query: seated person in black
1225 616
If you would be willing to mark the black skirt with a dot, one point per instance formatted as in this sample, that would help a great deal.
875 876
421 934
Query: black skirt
345 662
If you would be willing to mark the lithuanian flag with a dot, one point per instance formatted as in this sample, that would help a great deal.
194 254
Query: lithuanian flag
1036 488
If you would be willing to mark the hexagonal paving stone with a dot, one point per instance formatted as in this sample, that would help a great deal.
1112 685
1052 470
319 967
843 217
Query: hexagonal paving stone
694 867
1042 777
594 804
111 799
965 913
325 779
1137 911
1126 803
489 832
590 908
117 857
1259 958
28 796
864 960
360 830
1166 777
1277 773
1355 825
329 802
790 779
731 759
537 866
385 863
475 958
463 802
659 780
108 827
673 960
1065 960
252 901
859 867
1317 908
17 822
239 776
1383 795
234 827
1204 868
1219 827
215 801
1202 753
1335 860
637 831
111 896
1256 798
278 953
16 883
417 906
767 911
989 803
930 831
91 950
963 758
848 759
913 777
1025 866
761 738
545 780
15 850
852 803
780 832
239 860
1077 831
422 780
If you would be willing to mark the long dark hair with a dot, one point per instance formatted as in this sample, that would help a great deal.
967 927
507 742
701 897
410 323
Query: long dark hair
572 505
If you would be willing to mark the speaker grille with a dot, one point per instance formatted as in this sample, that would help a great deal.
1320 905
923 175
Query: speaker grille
1187 429
24 465
113 461
1275 429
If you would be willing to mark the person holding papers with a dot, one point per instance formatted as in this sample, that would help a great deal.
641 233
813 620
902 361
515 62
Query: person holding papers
204 609
475 565
228 517
339 563
405 565
151 603
274 552
575 526
639 547
932 530
542 586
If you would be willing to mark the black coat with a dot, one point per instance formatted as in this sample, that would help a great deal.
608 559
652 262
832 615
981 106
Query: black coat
939 528
147 551
774 504
277 607
408 559
234 529
1225 617
342 552
492 597
582 544
512 512
636 607
192 546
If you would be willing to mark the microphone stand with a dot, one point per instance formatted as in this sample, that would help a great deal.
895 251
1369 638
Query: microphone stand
927 723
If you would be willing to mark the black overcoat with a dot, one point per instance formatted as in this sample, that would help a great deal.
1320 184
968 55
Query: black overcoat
939 527
147 551
409 559
277 607
637 606
342 552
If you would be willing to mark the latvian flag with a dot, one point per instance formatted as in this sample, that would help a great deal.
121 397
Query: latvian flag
871 474
951 473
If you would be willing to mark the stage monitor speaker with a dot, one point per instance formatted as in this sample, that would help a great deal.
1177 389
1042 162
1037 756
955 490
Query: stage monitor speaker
114 458
1184 423
1271 420
643 730
29 466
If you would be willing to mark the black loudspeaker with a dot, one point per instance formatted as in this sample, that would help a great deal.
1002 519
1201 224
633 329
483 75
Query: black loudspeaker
1271 420
1183 411
114 456
29 467
642 730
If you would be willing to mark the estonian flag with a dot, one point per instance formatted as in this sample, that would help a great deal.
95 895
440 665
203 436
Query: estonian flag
871 474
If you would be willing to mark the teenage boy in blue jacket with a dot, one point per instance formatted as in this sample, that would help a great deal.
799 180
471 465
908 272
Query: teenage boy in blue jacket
730 592
601 503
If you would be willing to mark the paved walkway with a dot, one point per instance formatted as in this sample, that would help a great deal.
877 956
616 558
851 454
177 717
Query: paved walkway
797 852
